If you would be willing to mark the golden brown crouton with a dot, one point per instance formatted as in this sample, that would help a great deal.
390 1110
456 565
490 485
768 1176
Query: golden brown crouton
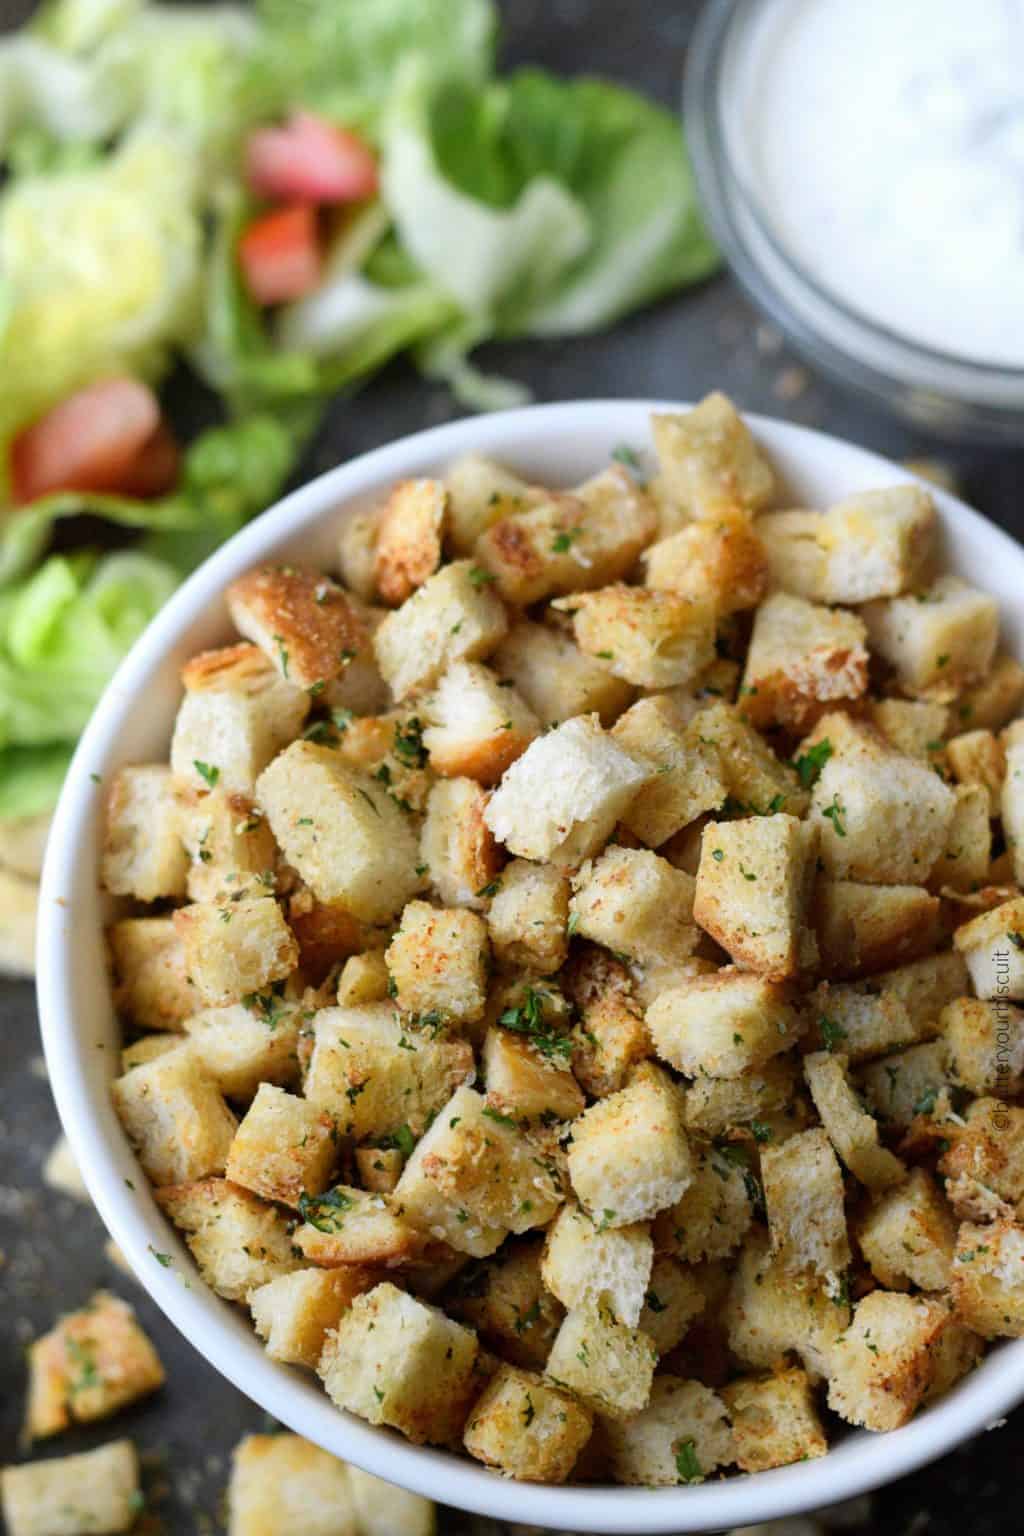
984 1161
723 1024
803 1191
477 726
988 705
713 1215
852 1131
987 1280
438 962
683 1435
803 660
526 1428
524 1083
284 1147
611 1036
757 781
173 1114
724 559
152 987
346 1226
771 1311
480 493
457 846
979 757
249 1043
630 1157
234 948
508 1304
993 948
528 917
554 676
877 543
230 846
915 727
862 929
92 1363
236 714
939 640
884 1364
143 854
986 1045
585 1260
908 1235
293 1313
635 903
775 1420
410 530
302 621
602 1361
453 616
688 774
651 638
709 461
280 1483
238 1241
753 889
96 1491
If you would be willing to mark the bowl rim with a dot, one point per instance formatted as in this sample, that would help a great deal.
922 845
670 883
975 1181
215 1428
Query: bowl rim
857 1464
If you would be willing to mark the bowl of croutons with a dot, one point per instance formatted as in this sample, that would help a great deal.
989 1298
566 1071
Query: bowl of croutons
532 966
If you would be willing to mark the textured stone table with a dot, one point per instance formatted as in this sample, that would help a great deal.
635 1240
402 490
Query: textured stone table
53 1247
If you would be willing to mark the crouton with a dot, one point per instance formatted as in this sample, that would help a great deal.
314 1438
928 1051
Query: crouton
722 559
527 1428
877 543
723 1024
528 917
986 1045
238 1241
390 749
758 783
606 1364
233 948
979 757
474 1178
964 865
152 986
651 638
364 979
990 704
992 946
393 1360
248 1043
775 1420
357 552
92 1363
229 846
96 1491
882 1367
984 1161
379 1168
771 1311
717 1105
938 640
629 1156
143 855
712 1218
61 1171
561 799
173 1114
710 464
674 1299
687 771
555 678
293 1313
894 1008
1011 802
302 622
325 931
382 1509
611 1036
457 846
753 888
147 1048
796 559
452 617
803 661
438 962
359 687
347 1226
567 542
525 1084
283 1483
283 1148
477 726
236 714
584 1261
915 727
376 1073
480 493
410 531
803 1191
683 1435
851 1130
634 903
508 1304
347 837
987 1279
862 929
897 1088
908 1235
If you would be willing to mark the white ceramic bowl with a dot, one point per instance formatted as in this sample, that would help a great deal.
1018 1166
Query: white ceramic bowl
558 444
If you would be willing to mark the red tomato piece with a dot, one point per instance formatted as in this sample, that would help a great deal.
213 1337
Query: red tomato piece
107 436
309 160
280 256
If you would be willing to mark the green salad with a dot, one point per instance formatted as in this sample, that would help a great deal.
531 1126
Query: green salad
282 198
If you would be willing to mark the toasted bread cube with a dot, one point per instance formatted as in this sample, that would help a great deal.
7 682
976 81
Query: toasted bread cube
390 749
986 1045
326 933
302 622
507 1303
979 757
526 1428
651 638
674 1299
474 1178
964 865
524 1083
882 1367
92 1363
528 918
984 1163
754 777
1011 803
584 1261
376 1074
236 714
803 661
561 799
635 903
993 948
682 1436
792 547
712 1218
438 962
883 818
385 1510
248 1043
283 1483
723 559
851 1130
229 846
629 1156
611 1036
753 888
451 617
360 685
899 1087
723 1024
294 1312
349 840
987 1280
775 1420
606 1364
771 1311
803 1191
143 854
710 464
234 948
862 929
477 726
915 727
96 1492
990 704
357 552
566 542
379 1168
877 544
147 1048
173 1114
908 1235
393 1360
555 678
480 493
939 640
347 1226
410 530
284 1147
238 1241
896 1008
152 987
61 1171
457 846
364 979
688 778
717 1105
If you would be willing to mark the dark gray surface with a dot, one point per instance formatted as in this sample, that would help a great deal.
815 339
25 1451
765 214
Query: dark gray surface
52 1247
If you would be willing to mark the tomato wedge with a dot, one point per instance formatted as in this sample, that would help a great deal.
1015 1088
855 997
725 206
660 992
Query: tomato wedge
105 437
279 255
309 160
